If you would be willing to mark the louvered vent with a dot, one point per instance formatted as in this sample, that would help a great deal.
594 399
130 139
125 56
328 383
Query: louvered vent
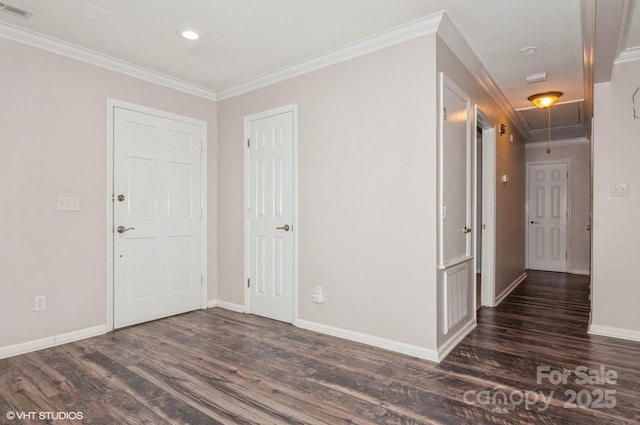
15 11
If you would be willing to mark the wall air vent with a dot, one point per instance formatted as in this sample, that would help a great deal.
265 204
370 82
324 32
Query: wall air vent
15 11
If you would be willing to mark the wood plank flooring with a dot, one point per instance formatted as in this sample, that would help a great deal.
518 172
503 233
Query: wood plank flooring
220 367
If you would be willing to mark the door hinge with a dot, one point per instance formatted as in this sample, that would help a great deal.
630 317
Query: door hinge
566 255
248 143
201 280
248 283
444 114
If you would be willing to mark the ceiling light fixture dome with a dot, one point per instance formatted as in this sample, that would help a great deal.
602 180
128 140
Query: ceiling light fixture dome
546 99
189 34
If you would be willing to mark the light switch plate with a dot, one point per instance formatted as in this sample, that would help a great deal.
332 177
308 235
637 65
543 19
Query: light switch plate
619 189
68 203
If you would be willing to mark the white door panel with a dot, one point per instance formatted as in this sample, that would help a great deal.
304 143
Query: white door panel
157 262
271 200
456 285
547 221
455 173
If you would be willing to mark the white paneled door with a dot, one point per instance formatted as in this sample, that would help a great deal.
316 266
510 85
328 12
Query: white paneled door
157 213
547 220
271 204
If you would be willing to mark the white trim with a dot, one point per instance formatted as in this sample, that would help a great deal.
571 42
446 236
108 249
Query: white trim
111 104
566 102
293 108
628 55
52 341
238 308
455 262
452 342
488 258
580 272
393 36
510 289
34 39
560 142
387 344
629 334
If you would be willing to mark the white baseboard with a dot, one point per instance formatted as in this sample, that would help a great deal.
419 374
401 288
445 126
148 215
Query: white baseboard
398 347
52 341
580 272
451 343
238 308
510 289
628 334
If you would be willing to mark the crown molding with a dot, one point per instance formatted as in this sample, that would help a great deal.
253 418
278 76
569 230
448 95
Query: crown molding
424 26
457 43
34 39
629 55
561 142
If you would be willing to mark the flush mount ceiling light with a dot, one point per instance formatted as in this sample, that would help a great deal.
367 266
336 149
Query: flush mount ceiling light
545 101
189 34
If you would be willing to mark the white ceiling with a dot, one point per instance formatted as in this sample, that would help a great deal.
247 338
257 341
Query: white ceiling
243 39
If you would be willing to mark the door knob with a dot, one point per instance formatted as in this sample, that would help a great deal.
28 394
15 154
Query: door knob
120 198
286 228
466 229
535 222
121 229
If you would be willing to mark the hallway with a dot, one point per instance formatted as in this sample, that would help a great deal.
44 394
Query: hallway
544 323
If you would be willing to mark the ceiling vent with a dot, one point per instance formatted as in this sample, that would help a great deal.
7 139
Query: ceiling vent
15 11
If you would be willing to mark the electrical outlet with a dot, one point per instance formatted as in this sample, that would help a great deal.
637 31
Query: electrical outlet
41 303
318 295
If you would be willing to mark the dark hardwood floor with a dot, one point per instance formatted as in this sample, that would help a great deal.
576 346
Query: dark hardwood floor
215 366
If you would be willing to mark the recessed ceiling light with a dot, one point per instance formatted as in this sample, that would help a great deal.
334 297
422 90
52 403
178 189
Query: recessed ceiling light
528 50
189 34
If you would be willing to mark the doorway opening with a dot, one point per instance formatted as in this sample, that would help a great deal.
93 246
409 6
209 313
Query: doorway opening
478 226
485 209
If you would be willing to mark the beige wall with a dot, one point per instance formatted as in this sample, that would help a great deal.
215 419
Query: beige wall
615 287
53 131
579 155
366 160
510 238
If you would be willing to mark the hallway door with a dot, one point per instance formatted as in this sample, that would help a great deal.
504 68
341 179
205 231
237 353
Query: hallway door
547 219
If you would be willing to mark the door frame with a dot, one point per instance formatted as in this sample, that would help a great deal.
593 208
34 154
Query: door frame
293 108
114 103
526 209
488 259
